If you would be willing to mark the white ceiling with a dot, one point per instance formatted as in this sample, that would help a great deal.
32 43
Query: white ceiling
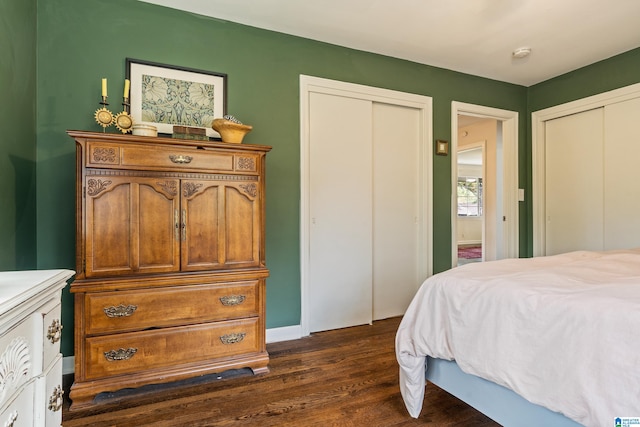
470 36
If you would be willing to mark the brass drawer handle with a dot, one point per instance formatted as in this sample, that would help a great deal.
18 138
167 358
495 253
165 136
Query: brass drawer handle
120 310
54 332
120 354
230 300
55 400
180 159
232 338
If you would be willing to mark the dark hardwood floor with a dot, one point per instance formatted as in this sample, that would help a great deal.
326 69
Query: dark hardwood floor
346 377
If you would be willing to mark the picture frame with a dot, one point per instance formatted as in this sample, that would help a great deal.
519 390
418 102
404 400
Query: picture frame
166 95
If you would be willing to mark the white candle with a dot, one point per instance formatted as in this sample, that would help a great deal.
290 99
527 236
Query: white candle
104 87
126 87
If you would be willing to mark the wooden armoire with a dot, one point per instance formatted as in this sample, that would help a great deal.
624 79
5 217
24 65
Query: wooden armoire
170 261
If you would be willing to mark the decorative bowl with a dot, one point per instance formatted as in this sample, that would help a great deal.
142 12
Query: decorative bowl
231 131
144 130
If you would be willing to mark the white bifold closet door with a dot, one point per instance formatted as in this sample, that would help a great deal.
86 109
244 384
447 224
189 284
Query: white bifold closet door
621 189
363 207
395 208
574 182
592 198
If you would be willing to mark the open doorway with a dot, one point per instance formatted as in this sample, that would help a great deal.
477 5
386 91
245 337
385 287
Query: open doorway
471 202
490 135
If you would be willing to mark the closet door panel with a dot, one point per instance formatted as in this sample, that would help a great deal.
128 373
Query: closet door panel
340 235
621 190
574 183
396 158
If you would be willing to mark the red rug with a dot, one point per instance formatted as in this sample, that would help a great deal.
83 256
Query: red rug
470 252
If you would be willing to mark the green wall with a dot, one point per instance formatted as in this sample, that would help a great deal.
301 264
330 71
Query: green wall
81 41
613 73
18 138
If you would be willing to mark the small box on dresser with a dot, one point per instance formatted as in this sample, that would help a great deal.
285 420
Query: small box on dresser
170 259
30 360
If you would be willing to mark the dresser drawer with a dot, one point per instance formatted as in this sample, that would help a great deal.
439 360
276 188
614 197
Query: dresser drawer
20 358
137 351
49 395
138 156
118 311
51 334
20 411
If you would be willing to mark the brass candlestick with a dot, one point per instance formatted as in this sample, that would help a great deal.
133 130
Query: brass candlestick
123 120
103 116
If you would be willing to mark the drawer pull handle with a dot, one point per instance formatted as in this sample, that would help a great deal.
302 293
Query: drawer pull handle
230 300
180 159
232 338
120 354
120 310
54 332
55 400
13 417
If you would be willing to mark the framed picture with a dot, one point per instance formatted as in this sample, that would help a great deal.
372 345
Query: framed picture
166 95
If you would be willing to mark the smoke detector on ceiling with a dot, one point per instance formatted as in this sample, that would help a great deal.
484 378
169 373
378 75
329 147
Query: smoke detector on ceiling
521 52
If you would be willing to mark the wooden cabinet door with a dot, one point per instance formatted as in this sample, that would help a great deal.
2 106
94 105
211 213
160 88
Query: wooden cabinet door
132 225
242 224
222 224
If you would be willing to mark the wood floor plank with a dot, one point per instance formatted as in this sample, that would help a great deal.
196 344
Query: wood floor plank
346 377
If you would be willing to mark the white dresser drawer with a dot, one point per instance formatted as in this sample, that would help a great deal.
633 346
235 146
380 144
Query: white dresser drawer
51 334
49 396
30 363
20 411
18 358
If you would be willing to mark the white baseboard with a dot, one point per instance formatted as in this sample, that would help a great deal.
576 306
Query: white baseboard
469 242
285 333
68 362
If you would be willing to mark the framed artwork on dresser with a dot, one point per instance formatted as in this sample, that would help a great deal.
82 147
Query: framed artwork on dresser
167 95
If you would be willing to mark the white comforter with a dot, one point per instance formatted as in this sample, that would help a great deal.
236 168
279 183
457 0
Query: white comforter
562 331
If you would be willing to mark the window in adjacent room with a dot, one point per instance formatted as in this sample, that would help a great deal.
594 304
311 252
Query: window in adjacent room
469 196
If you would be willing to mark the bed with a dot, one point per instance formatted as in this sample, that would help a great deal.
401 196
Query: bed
554 340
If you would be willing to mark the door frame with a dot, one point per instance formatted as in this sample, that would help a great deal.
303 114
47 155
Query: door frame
310 84
538 138
509 119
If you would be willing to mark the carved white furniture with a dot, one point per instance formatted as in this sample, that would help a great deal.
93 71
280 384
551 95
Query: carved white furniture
30 359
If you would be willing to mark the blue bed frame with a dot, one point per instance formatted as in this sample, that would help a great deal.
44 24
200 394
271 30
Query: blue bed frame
495 401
